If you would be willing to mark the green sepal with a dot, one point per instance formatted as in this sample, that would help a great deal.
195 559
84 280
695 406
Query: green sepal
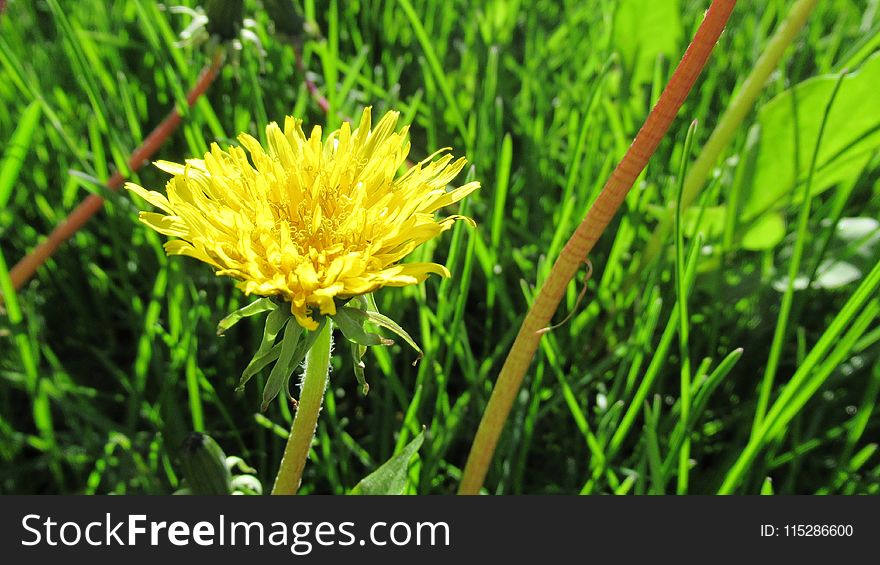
284 366
357 356
267 351
257 307
293 351
351 318
389 324
351 322
258 363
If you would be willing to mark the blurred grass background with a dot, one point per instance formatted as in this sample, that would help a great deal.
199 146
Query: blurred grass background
109 359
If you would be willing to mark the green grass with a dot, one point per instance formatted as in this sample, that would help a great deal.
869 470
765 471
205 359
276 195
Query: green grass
109 358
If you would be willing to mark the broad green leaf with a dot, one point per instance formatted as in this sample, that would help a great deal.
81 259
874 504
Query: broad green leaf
852 133
275 322
390 478
711 221
644 30
257 307
707 220
765 233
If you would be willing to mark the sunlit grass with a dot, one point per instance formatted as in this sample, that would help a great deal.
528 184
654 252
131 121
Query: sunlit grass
108 359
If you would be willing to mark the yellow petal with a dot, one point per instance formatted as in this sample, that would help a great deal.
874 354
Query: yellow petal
303 317
156 199
307 218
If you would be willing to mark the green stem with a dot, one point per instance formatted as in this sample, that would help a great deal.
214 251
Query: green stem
794 268
582 241
305 421
729 123
684 321
764 421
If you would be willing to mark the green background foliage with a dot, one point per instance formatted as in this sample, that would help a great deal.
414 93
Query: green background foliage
109 358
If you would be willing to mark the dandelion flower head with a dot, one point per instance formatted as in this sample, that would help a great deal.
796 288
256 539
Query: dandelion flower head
307 220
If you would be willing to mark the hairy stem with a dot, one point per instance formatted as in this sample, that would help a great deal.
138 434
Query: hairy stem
306 419
582 242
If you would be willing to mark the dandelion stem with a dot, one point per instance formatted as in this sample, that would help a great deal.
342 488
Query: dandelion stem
582 242
305 421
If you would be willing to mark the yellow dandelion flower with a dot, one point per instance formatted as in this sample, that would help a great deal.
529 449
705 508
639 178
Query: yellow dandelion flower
308 220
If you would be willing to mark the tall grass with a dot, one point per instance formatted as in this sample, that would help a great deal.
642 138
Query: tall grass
108 358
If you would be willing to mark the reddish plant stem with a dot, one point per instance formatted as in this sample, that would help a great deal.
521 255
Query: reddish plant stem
25 269
584 238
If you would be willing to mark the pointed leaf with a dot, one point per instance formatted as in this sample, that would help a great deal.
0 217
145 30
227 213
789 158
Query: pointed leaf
300 349
284 366
274 324
391 477
389 324
351 322
252 309
357 355
370 300
259 362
